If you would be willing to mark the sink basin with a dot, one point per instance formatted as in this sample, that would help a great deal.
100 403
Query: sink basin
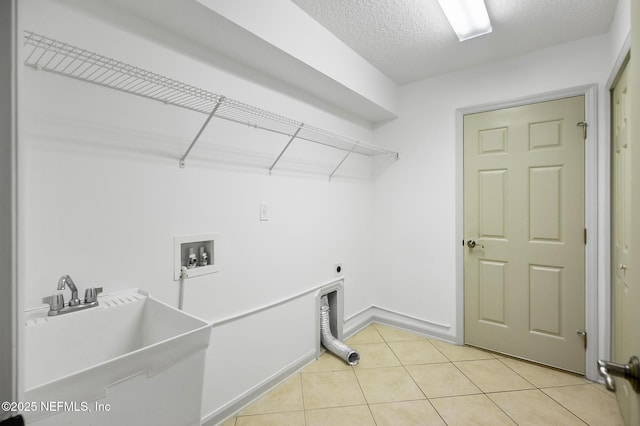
105 364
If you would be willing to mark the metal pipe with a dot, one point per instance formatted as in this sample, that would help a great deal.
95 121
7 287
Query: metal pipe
332 344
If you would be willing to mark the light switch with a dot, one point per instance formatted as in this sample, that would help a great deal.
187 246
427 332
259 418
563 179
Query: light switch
264 211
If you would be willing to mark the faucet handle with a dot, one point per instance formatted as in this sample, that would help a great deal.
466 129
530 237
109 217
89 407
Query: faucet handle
91 294
55 302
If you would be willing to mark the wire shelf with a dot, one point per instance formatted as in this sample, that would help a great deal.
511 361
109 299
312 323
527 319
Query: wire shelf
44 53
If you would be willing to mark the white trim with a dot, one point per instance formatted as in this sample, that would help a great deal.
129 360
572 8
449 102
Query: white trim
620 62
385 316
272 305
591 210
13 315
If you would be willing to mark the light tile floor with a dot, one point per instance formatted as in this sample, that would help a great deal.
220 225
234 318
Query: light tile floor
405 379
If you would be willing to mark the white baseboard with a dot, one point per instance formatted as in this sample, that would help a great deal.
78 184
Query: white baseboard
352 325
384 316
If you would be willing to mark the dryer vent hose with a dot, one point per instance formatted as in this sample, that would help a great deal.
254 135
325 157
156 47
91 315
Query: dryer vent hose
331 343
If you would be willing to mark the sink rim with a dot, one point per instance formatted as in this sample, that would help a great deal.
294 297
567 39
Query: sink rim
38 316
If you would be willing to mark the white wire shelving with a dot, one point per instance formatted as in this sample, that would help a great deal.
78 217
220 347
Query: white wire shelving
44 53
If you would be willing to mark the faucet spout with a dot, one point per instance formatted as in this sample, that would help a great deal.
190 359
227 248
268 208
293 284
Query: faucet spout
66 281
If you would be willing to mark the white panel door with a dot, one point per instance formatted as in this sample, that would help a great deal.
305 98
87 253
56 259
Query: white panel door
625 257
625 218
524 211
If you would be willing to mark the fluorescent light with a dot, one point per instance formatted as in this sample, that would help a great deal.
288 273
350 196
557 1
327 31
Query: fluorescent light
469 18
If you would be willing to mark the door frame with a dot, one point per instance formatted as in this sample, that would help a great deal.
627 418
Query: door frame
593 314
10 306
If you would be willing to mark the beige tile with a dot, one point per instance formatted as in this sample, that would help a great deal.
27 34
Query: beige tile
229 422
374 355
388 384
331 389
368 335
540 376
588 403
407 413
392 334
417 352
460 353
492 375
532 407
327 362
358 415
295 418
602 388
476 410
286 397
438 380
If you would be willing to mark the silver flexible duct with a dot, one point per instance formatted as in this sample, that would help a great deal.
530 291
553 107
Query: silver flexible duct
331 343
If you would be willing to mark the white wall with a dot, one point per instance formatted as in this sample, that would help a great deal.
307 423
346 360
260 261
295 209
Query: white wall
104 197
620 28
415 209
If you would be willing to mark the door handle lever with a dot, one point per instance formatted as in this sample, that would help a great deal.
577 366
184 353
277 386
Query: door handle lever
472 243
630 371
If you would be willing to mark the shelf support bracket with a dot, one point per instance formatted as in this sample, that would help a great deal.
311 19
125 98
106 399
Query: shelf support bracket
342 161
285 148
204 126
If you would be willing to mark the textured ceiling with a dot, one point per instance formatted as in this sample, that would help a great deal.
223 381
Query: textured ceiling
410 40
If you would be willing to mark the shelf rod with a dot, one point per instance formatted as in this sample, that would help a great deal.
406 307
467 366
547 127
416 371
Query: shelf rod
285 148
204 126
340 163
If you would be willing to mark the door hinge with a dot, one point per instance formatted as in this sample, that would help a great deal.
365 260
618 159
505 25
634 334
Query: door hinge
585 236
584 336
584 126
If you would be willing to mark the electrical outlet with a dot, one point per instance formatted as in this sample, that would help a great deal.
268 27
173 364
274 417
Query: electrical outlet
338 269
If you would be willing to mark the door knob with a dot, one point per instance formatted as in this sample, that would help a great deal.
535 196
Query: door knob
630 371
472 243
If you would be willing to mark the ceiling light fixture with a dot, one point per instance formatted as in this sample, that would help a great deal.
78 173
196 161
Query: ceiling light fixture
469 18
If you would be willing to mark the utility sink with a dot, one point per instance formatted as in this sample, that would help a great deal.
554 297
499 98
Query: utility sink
130 360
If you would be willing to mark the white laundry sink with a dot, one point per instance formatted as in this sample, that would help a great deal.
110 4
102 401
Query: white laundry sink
130 360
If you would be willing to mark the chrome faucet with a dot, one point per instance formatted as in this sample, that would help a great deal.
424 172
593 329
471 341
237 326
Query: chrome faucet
56 302
66 281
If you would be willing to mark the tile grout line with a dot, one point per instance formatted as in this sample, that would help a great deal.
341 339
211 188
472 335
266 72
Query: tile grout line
562 405
428 399
360 384
304 408
386 342
535 387
485 394
414 380
363 395
539 389
449 361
